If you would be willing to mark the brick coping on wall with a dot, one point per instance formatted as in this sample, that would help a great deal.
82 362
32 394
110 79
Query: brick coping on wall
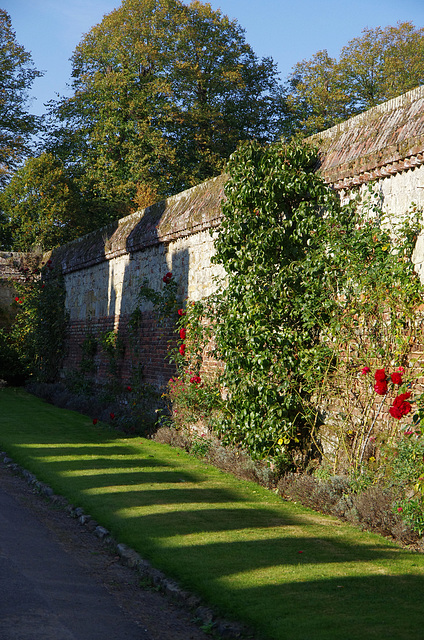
380 142
192 211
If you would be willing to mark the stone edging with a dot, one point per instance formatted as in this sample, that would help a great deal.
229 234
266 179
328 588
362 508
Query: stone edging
130 558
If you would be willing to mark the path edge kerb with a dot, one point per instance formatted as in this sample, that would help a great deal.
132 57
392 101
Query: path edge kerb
130 558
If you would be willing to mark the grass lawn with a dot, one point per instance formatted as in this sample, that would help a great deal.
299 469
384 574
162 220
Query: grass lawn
288 572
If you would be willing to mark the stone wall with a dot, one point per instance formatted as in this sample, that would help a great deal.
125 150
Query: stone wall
103 271
382 148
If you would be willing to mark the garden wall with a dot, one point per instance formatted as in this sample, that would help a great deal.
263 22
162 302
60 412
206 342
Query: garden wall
103 270
383 147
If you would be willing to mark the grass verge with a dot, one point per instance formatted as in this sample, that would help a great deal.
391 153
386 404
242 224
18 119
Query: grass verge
284 570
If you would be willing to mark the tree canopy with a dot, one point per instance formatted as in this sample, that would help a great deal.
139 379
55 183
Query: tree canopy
41 205
162 94
17 74
380 64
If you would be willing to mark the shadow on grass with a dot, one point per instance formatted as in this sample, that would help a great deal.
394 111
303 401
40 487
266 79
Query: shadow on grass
292 574
344 608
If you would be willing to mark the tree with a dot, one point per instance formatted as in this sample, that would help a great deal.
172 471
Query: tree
221 94
42 205
316 94
377 66
163 92
17 74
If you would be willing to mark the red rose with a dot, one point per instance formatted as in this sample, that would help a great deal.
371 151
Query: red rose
95 421
380 387
380 375
129 388
181 312
112 415
400 407
395 412
195 380
182 334
396 378
405 408
182 349
167 277
365 370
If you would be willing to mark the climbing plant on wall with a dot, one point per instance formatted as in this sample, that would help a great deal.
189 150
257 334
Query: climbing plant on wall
305 277
271 246
38 333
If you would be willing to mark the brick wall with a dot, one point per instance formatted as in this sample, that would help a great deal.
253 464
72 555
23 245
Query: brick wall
103 270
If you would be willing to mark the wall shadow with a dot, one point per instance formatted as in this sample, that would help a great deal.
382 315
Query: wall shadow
145 356
291 571
298 574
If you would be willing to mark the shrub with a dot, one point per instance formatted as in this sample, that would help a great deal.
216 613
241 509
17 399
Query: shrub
12 370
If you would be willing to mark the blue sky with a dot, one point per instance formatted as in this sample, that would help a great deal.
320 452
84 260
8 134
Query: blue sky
286 30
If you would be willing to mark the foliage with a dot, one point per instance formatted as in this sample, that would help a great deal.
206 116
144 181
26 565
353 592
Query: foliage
38 333
89 350
221 93
162 94
314 95
112 345
165 301
200 446
42 205
11 369
406 467
17 74
194 394
372 332
271 244
314 293
195 401
140 409
407 464
310 299
412 512
381 64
